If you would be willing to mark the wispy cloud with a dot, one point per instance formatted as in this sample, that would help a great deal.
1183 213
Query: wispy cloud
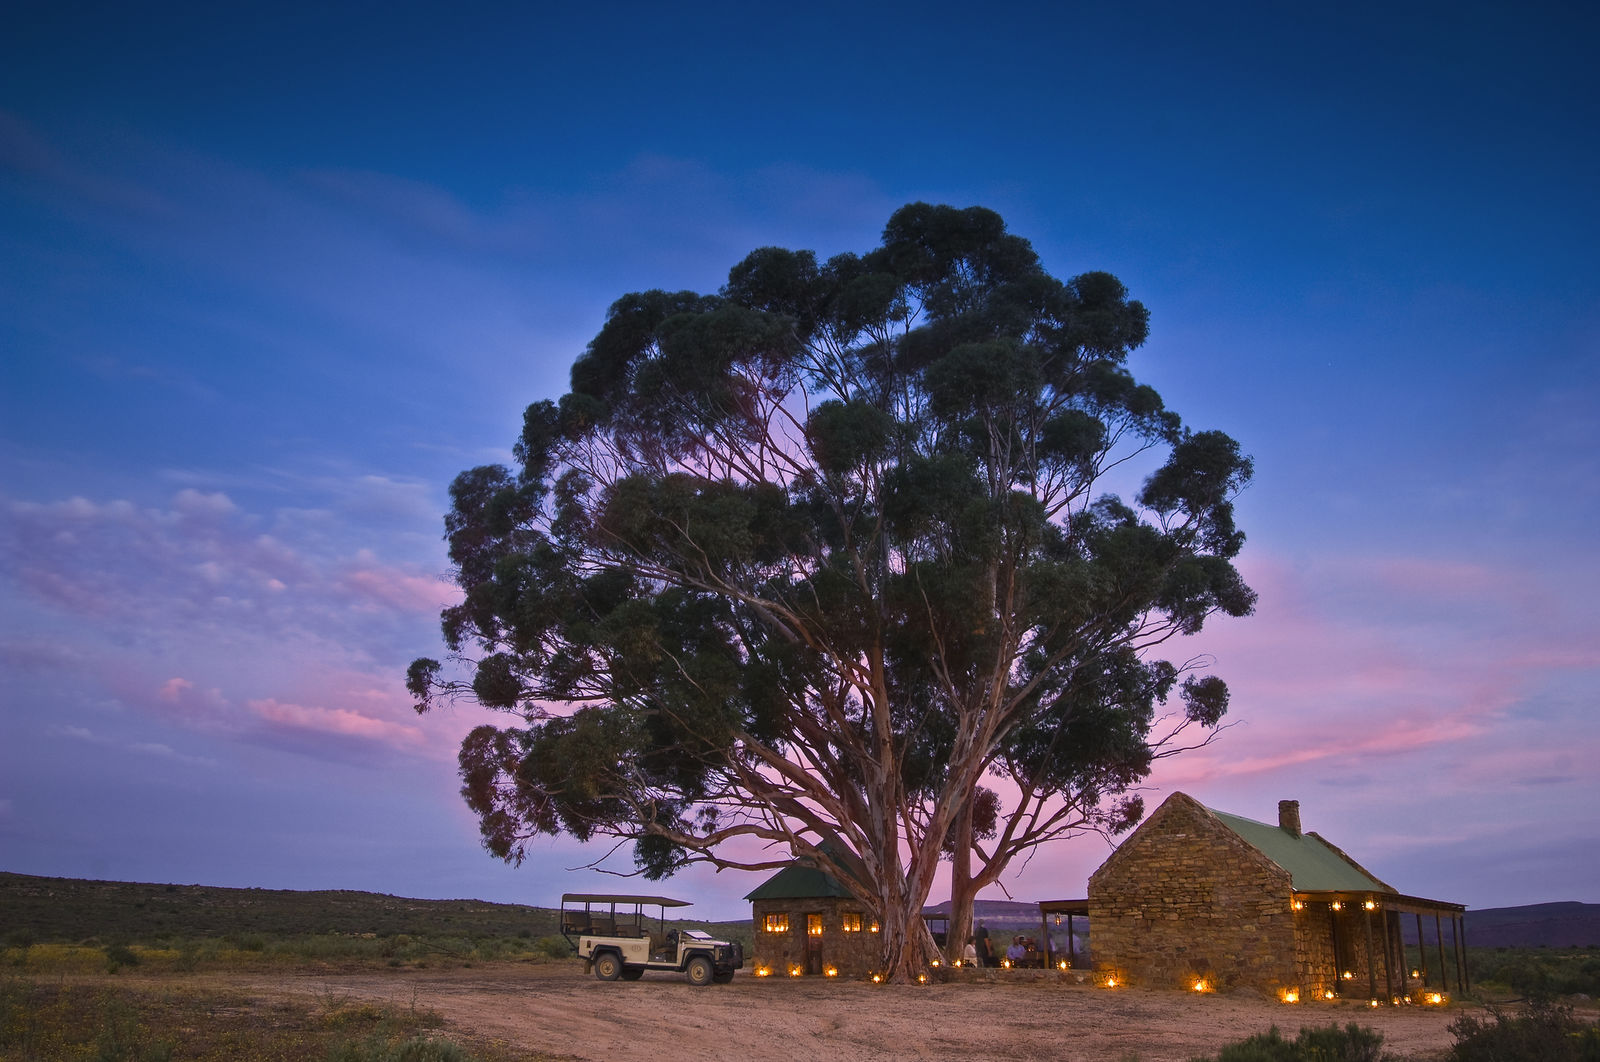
260 637
340 721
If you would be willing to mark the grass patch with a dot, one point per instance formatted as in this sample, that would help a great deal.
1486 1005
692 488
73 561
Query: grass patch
58 1022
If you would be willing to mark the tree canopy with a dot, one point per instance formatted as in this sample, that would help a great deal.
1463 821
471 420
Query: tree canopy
825 564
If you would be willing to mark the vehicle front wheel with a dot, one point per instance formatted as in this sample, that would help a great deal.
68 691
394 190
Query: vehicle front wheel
608 967
632 973
700 971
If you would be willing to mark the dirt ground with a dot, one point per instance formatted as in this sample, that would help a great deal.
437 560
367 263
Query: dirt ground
554 1008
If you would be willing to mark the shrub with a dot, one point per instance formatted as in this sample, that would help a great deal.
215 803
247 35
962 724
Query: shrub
118 956
554 946
1542 1031
1330 1044
417 1049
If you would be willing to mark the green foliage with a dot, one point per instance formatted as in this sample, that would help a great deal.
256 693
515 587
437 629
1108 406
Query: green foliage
553 947
808 559
1326 1044
118 956
1541 1031
1536 972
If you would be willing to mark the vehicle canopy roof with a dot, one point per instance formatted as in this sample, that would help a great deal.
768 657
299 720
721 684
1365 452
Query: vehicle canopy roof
605 897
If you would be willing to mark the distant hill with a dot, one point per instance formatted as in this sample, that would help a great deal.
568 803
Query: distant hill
71 909
1539 925
1005 912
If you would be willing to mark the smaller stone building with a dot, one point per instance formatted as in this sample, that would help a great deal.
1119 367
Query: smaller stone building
809 925
1201 897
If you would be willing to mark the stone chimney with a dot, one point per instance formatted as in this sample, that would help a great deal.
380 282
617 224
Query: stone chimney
1289 817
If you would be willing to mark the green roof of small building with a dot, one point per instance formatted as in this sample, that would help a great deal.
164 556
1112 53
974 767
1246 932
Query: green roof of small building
798 882
1312 863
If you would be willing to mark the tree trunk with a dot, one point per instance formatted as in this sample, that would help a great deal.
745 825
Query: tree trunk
962 893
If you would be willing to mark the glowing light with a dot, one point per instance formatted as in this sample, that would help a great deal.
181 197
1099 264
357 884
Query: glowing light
1348 975
1372 1002
1111 982
1336 905
763 971
1005 963
877 979
1200 986
936 962
1299 905
1415 973
1436 998
874 928
1371 905
832 971
1327 993
795 970
922 978
1291 995
1064 964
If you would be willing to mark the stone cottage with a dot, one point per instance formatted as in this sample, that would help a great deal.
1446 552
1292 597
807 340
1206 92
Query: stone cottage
1196 897
808 924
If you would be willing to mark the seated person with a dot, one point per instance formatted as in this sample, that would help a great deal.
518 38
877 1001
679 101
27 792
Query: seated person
1016 952
969 954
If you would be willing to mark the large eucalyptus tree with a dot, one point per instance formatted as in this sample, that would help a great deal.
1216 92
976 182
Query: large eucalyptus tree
824 564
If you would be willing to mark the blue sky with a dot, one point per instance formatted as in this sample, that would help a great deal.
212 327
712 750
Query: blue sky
271 275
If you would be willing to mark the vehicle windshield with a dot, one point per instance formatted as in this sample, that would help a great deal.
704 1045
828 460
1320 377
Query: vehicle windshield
695 934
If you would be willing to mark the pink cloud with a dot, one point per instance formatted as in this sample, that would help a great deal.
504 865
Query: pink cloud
1350 661
400 590
339 721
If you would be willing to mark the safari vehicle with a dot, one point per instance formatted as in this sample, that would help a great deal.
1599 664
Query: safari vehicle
616 936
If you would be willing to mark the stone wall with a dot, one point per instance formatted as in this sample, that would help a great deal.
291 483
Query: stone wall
1186 898
850 952
1332 944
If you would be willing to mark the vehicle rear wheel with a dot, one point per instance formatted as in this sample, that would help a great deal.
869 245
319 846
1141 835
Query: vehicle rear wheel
723 978
632 973
700 971
608 967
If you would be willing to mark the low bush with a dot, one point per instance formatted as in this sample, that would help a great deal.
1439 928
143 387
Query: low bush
118 956
1540 1031
1329 1044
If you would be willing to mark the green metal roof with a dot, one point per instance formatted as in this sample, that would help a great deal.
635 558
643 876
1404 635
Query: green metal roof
798 882
1313 865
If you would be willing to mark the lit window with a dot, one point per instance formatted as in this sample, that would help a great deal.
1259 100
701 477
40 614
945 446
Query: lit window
776 923
813 925
851 922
